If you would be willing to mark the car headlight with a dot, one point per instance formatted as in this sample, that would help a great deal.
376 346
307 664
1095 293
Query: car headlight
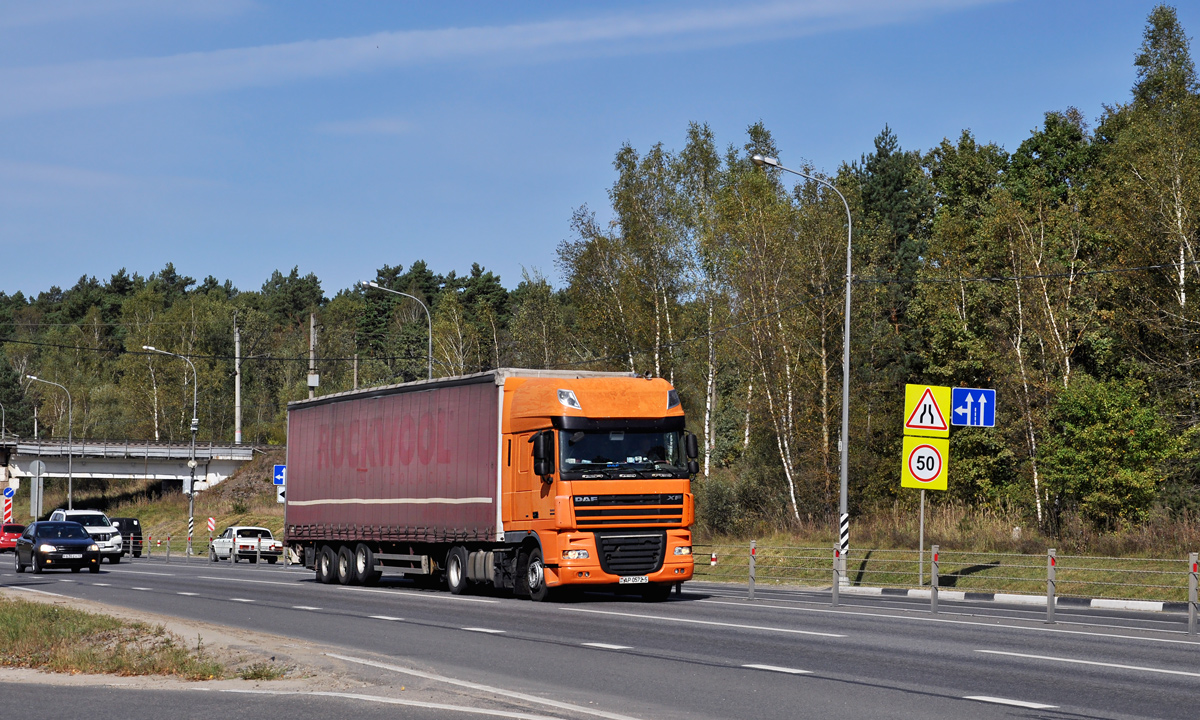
93 548
46 548
575 555
116 538
683 550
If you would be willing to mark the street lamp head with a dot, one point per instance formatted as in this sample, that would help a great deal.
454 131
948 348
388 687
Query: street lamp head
761 160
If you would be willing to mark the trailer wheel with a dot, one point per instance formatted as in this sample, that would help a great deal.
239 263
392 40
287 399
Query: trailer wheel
456 570
535 577
364 565
345 566
326 559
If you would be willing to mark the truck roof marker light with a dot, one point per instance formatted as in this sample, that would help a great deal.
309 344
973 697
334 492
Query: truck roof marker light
672 399
568 399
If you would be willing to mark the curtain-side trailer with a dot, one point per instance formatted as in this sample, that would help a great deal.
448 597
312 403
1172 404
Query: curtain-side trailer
534 480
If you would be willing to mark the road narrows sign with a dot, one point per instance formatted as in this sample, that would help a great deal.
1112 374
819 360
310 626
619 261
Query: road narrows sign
925 410
924 463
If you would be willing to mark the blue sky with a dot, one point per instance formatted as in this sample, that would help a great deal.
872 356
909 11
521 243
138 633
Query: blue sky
235 137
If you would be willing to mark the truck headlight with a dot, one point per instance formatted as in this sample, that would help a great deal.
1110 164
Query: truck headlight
683 550
46 548
575 555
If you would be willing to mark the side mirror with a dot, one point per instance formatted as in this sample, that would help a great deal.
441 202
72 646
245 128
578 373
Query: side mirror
691 447
693 467
543 454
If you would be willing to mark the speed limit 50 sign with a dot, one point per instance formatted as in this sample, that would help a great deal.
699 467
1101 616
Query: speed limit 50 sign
924 463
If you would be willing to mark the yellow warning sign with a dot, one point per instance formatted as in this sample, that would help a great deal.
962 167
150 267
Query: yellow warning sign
925 410
924 463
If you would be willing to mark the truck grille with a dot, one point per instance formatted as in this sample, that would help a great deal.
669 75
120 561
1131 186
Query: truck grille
625 553
628 510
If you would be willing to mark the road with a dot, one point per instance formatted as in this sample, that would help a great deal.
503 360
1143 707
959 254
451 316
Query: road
706 654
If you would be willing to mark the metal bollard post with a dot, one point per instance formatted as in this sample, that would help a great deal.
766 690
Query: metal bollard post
837 579
168 548
149 546
1051 584
753 548
1192 582
933 581
258 553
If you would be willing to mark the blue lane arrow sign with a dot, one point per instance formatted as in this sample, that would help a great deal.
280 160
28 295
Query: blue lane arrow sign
280 476
973 407
8 492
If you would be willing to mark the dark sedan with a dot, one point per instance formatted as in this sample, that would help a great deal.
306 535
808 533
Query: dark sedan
50 545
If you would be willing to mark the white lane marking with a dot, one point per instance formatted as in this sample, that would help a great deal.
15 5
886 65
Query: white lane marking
187 593
707 622
394 701
579 709
241 599
385 617
606 646
1091 662
142 572
1006 701
258 582
776 668
33 590
416 596
304 607
918 618
103 584
141 588
65 580
485 630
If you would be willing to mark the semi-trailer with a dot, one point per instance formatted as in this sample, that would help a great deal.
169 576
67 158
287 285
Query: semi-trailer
537 481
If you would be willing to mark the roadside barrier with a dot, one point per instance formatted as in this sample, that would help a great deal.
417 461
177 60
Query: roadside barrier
1066 580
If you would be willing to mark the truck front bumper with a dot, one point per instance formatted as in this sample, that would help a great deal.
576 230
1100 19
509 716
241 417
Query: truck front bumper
590 571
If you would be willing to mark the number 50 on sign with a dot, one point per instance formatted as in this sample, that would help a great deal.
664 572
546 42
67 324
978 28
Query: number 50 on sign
924 463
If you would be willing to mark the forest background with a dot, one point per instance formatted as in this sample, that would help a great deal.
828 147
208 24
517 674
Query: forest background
1063 274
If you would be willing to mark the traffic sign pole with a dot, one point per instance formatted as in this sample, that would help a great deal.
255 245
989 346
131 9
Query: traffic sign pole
921 545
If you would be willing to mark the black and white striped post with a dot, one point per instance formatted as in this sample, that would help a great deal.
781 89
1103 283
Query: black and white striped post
843 544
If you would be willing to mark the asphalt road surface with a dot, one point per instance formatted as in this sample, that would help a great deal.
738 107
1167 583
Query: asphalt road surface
707 653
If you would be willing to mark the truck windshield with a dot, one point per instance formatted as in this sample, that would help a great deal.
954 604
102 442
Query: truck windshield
620 449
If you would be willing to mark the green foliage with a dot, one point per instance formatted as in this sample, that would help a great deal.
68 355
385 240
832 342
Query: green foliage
1105 449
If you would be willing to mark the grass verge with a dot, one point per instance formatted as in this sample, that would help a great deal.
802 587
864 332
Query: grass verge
61 639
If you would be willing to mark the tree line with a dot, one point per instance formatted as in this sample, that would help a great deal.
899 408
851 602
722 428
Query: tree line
1063 274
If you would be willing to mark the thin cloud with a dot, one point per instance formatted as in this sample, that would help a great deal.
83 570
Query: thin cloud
367 126
39 89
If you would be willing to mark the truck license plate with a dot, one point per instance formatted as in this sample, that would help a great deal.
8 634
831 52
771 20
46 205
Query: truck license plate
633 580
73 556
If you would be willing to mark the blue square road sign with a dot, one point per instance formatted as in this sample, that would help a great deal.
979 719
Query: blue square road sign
280 476
973 407
8 492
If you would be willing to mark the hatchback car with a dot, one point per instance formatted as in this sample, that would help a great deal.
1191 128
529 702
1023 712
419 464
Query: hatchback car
52 545
9 532
131 533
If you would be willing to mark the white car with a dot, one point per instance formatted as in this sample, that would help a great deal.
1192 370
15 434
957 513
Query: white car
242 542
102 530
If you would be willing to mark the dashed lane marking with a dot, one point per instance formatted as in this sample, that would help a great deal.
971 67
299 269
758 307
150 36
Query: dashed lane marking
385 617
142 588
1006 701
790 631
241 599
187 593
142 572
102 584
304 607
606 646
1095 663
778 669
490 631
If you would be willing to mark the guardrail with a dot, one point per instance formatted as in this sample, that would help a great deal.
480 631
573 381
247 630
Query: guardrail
1059 579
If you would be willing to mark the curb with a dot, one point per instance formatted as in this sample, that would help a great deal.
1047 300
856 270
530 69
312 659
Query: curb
1017 599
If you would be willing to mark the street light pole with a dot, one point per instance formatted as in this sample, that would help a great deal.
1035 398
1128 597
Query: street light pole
428 317
192 457
70 438
844 441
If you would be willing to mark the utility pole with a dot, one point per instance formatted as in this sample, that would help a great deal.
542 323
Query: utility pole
237 383
355 371
313 378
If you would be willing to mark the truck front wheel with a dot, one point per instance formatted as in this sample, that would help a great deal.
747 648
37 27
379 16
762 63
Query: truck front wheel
456 570
535 577
326 559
